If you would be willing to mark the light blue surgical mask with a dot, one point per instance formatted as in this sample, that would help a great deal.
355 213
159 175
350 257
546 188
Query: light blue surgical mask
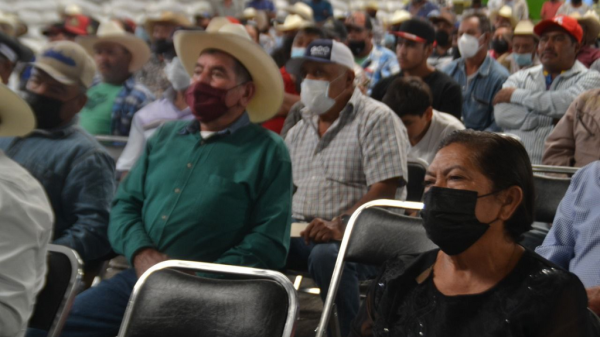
298 52
523 60
389 39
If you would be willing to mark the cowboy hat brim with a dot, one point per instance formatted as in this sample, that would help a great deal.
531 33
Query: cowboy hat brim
592 27
16 117
266 76
512 19
139 50
170 19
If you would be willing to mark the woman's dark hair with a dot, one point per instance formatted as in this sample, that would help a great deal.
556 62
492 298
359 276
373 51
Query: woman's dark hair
504 161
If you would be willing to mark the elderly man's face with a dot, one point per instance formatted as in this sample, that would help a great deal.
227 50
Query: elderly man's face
218 70
557 50
523 44
337 76
113 61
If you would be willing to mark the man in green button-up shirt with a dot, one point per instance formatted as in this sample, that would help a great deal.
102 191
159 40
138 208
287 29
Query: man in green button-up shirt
217 189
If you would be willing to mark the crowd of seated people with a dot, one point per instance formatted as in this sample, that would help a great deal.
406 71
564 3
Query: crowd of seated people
238 125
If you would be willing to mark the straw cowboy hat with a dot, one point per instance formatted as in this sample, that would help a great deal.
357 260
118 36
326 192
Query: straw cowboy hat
292 22
590 24
302 9
249 13
235 41
16 117
505 12
524 28
398 17
111 31
170 18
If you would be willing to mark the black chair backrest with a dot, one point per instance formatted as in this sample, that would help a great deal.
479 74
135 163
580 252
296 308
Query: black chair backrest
379 235
549 191
173 303
416 175
52 296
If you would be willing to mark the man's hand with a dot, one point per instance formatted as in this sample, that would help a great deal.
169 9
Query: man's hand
594 299
146 258
320 230
503 96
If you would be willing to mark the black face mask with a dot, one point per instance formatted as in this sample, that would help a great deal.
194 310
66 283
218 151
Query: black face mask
356 47
500 46
162 46
449 219
442 38
45 109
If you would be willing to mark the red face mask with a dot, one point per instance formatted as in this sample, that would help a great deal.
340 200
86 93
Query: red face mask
206 102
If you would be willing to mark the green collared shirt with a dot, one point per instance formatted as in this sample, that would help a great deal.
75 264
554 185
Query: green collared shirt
226 199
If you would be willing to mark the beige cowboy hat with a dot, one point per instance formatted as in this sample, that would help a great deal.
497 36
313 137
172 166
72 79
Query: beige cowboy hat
302 9
235 41
292 22
111 31
398 17
589 22
505 12
172 18
16 117
7 23
249 13
524 27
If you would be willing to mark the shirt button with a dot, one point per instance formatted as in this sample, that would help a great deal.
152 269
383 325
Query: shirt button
164 217
177 190
189 165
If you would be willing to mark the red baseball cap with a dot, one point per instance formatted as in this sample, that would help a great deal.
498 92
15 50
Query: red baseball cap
569 24
77 24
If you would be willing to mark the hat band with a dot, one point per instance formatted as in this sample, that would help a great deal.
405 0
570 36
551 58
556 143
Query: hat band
8 52
410 36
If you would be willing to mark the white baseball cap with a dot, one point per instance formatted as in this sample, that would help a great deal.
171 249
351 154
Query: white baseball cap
324 51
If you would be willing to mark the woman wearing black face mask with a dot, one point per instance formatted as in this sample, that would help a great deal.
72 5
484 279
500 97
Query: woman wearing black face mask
478 202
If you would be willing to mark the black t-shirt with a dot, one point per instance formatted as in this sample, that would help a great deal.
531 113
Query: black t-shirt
447 95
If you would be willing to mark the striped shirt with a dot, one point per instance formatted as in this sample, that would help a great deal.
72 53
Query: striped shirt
533 110
574 239
366 144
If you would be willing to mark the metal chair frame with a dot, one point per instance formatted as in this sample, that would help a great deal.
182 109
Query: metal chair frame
340 262
219 269
554 169
420 162
69 297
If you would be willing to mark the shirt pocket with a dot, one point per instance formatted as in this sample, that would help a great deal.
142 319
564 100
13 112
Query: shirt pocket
225 202
344 164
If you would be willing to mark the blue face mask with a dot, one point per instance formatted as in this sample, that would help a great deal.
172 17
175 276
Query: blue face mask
298 52
389 39
523 60
278 41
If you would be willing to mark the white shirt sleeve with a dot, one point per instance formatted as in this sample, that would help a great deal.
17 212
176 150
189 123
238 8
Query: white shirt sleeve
135 145
26 219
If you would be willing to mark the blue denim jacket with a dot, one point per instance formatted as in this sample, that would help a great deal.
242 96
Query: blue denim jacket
79 178
477 109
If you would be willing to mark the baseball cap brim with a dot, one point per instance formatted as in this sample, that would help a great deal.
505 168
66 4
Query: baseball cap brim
543 26
294 66
57 75
409 36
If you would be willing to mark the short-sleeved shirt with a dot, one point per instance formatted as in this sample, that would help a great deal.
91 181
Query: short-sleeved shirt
96 116
442 124
366 144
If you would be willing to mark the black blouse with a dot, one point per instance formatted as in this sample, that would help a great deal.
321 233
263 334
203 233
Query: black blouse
536 299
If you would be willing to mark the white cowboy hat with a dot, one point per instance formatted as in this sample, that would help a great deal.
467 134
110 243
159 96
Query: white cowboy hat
590 22
249 13
235 41
292 22
111 31
505 12
16 117
302 9
524 27
167 17
398 17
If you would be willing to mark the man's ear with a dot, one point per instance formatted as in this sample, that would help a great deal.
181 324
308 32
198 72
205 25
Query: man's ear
350 78
428 114
81 101
511 199
249 92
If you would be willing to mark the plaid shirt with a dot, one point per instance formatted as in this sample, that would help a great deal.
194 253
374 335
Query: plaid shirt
381 63
130 99
365 145
533 109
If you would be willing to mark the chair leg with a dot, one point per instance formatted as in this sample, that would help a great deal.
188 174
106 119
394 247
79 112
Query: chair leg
334 323
298 282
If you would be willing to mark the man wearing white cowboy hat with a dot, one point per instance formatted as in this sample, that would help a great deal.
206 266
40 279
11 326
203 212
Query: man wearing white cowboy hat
590 23
524 49
26 218
217 189
504 17
77 173
519 8
115 96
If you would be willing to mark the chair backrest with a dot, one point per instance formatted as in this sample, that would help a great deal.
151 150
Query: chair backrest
569 171
416 174
168 302
372 236
54 302
549 191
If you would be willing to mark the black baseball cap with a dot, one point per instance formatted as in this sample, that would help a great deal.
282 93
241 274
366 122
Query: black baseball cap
417 30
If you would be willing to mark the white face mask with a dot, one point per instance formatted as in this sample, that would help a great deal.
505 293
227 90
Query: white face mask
314 94
468 45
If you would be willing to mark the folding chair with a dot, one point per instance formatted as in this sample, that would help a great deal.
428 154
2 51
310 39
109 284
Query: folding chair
374 235
168 302
549 192
54 301
554 169
416 175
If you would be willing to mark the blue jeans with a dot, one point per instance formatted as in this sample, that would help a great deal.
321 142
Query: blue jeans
321 261
98 311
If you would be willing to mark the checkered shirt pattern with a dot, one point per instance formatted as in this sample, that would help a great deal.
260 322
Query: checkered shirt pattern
367 144
574 239
532 110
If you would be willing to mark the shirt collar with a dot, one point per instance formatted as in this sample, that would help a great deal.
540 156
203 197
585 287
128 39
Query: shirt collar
483 70
129 83
194 126
59 132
